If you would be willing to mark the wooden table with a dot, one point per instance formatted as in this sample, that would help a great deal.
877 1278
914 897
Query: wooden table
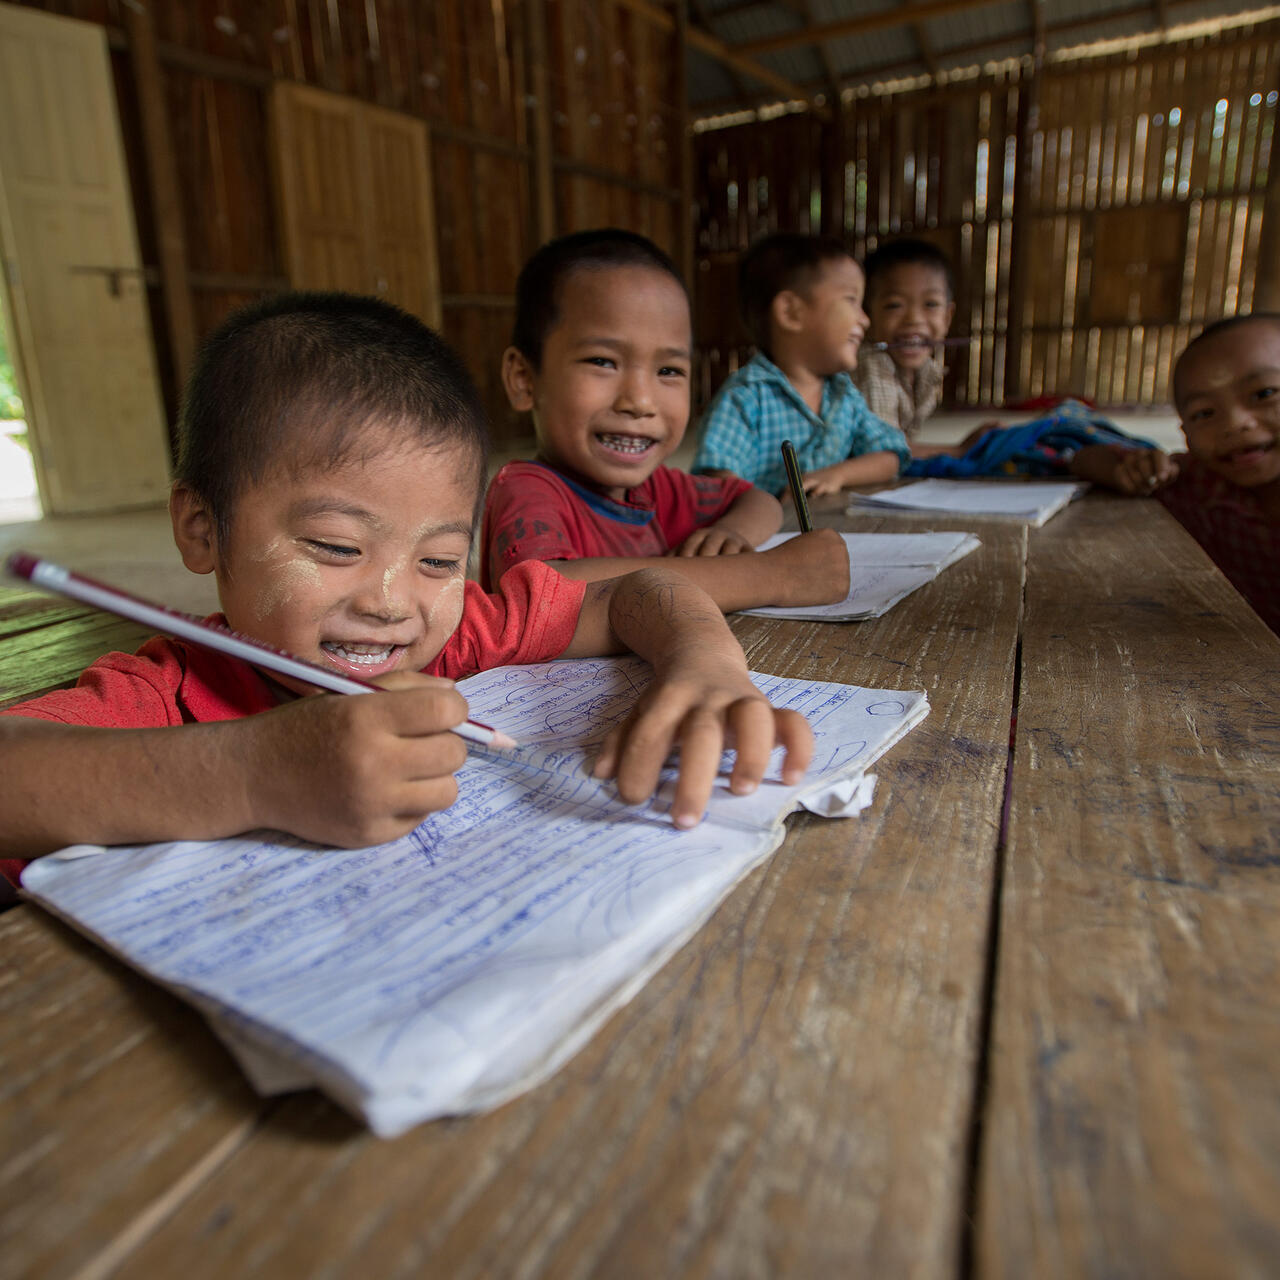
1021 1018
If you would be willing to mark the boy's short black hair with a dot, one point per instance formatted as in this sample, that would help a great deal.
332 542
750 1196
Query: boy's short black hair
296 379
778 262
1212 331
542 278
907 252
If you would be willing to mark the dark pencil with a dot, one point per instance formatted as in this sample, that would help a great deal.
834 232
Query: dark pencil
797 486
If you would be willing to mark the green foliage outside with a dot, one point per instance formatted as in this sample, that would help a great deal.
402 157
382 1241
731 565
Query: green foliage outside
10 401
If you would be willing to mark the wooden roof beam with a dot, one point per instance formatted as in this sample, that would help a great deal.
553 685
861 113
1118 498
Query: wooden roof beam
974 46
731 57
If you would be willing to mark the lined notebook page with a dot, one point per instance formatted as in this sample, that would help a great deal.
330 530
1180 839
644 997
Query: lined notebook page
883 568
450 969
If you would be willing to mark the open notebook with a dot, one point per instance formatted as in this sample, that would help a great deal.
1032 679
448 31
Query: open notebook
883 568
455 967
1027 501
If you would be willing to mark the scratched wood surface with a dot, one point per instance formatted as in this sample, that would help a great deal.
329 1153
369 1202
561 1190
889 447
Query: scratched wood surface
1132 1124
114 1095
790 1094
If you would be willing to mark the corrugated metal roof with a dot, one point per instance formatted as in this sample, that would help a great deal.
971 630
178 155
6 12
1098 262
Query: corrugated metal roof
983 33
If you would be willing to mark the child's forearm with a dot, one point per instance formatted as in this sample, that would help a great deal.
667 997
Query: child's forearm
810 570
662 616
653 611
68 785
870 468
755 516
337 770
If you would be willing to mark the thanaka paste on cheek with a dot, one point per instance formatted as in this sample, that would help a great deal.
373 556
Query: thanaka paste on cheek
293 574
446 609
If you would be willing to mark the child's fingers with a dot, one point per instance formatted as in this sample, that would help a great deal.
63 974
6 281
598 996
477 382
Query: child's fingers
751 725
795 735
605 764
642 747
694 543
710 543
418 712
701 749
411 680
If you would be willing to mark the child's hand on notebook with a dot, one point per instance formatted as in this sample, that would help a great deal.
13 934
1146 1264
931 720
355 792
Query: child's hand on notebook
357 771
701 699
700 704
811 568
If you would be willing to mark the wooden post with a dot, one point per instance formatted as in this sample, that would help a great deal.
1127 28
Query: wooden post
685 209
1020 244
1266 284
163 189
831 150
540 161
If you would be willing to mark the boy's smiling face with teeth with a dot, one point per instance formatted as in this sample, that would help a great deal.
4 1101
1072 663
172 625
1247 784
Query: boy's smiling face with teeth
1228 395
911 303
359 567
610 401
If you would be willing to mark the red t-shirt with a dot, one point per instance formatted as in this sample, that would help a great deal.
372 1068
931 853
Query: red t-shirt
171 682
534 512
1230 524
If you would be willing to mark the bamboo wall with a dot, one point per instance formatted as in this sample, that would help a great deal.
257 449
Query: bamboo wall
1124 214
599 81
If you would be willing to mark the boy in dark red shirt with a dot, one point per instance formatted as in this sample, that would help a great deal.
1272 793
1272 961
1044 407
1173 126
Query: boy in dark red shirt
601 356
332 458
1225 489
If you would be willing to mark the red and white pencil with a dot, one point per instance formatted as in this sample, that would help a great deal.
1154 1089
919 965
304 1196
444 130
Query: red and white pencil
53 577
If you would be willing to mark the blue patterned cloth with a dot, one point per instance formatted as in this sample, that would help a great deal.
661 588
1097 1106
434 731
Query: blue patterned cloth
757 409
1041 447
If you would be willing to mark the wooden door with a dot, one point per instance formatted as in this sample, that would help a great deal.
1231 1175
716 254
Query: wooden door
403 222
79 323
353 189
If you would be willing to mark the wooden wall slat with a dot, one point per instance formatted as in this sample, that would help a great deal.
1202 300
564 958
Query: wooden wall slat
460 66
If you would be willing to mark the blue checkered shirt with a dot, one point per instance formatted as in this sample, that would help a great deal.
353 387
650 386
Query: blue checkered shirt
757 409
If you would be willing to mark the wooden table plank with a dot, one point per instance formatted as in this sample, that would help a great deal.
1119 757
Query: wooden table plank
1132 1125
28 609
791 1094
113 1092
53 655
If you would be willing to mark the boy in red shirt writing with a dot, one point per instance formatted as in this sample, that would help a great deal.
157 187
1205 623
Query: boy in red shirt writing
332 464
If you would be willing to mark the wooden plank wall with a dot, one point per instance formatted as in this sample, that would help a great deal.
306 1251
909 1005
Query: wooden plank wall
615 124
1143 204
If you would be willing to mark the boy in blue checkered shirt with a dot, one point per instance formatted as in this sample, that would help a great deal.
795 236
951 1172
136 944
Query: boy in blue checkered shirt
801 298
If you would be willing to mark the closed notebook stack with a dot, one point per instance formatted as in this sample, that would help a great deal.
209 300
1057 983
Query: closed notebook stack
1030 502
883 568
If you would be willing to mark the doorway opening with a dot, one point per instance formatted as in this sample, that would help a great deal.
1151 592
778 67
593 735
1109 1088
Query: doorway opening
19 495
